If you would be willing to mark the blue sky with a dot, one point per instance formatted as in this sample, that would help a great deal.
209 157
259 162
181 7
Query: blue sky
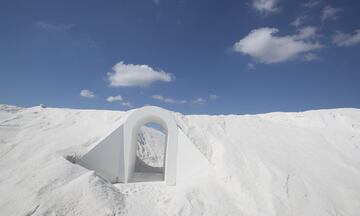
211 56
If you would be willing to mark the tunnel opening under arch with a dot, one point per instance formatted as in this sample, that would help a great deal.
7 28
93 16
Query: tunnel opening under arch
151 139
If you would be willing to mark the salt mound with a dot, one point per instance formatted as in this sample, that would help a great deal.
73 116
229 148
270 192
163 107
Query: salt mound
304 163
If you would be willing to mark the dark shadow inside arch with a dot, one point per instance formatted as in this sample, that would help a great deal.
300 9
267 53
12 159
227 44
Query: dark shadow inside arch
150 153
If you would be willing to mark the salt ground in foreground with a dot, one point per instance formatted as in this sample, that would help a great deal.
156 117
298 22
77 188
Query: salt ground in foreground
304 163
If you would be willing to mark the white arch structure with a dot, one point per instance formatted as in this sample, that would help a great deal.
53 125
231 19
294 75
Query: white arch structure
114 157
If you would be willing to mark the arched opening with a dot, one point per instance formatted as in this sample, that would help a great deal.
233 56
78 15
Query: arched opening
114 157
151 141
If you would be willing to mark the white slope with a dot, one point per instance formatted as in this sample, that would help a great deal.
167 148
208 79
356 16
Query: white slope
271 164
7 111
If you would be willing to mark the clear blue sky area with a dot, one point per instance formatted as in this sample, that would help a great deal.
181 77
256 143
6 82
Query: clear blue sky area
191 56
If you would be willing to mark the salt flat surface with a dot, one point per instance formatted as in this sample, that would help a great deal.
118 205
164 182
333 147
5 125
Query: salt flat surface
305 163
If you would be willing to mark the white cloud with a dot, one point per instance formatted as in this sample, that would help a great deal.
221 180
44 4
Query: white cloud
127 104
199 101
298 21
127 75
330 13
87 93
213 97
263 46
251 66
54 26
310 57
306 32
158 97
345 39
168 100
265 6
114 98
311 4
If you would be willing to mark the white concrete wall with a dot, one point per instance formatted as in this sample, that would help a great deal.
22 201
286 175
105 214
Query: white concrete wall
114 157
143 116
105 158
191 163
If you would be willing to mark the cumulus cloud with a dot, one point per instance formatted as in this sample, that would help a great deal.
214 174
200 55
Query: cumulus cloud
127 75
114 98
168 100
213 96
265 6
330 13
199 101
54 26
262 44
87 93
345 39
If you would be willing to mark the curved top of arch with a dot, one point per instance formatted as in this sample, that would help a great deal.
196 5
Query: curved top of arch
144 115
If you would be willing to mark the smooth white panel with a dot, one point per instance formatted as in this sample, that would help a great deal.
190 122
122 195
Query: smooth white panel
191 162
105 158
